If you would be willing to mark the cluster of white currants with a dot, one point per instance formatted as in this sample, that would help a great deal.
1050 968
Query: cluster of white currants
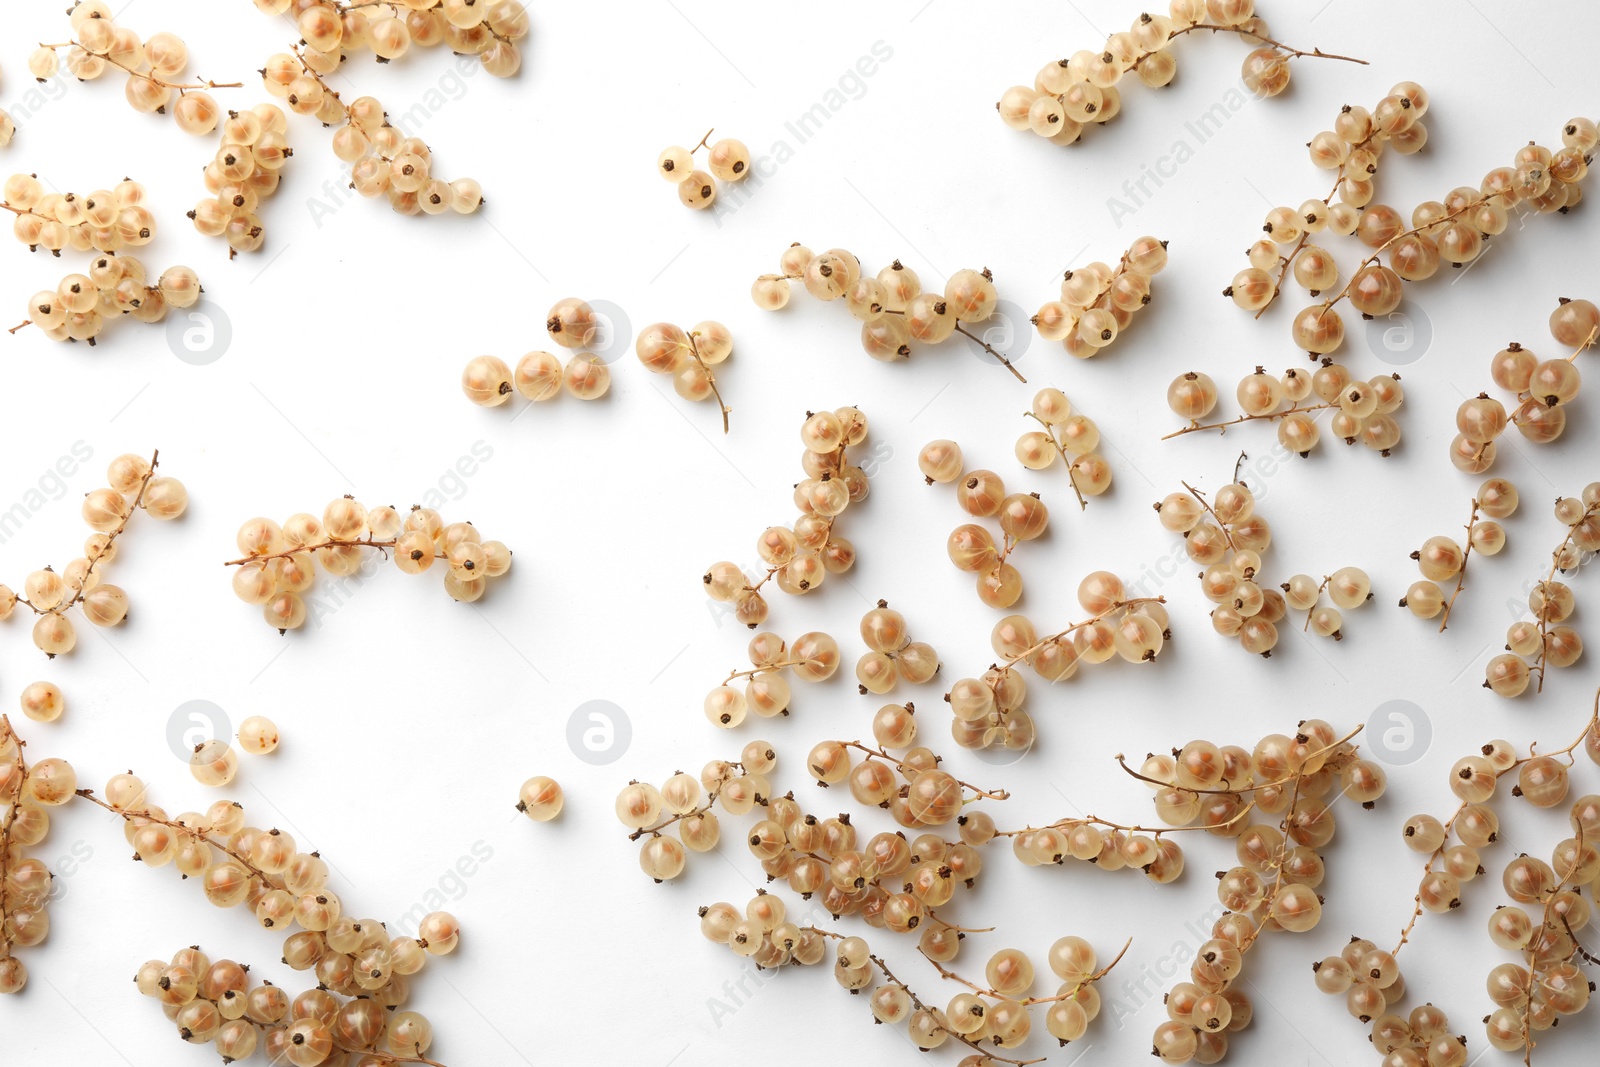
106 220
690 804
893 308
728 161
1074 438
244 172
1532 996
1225 789
154 67
572 324
1362 410
280 563
26 883
1132 628
1533 646
1227 536
333 29
1109 846
82 304
912 789
383 161
1098 302
1454 230
50 595
688 356
801 556
982 494
1369 979
1442 558
222 1005
891 654
1347 587
814 657
892 882
1353 150
1069 95
1543 390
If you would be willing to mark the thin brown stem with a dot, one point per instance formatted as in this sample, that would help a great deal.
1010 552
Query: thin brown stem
764 669
1461 575
153 79
1154 831
202 832
20 325
1291 52
1061 450
1195 427
996 353
703 141
327 542
711 379
1206 504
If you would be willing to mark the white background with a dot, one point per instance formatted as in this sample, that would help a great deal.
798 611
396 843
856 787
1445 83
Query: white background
410 720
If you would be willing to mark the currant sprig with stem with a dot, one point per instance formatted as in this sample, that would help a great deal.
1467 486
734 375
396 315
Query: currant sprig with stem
1557 558
107 510
929 1015
1530 653
874 752
1295 408
1027 1002
1461 574
1069 95
892 307
1498 760
214 1003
